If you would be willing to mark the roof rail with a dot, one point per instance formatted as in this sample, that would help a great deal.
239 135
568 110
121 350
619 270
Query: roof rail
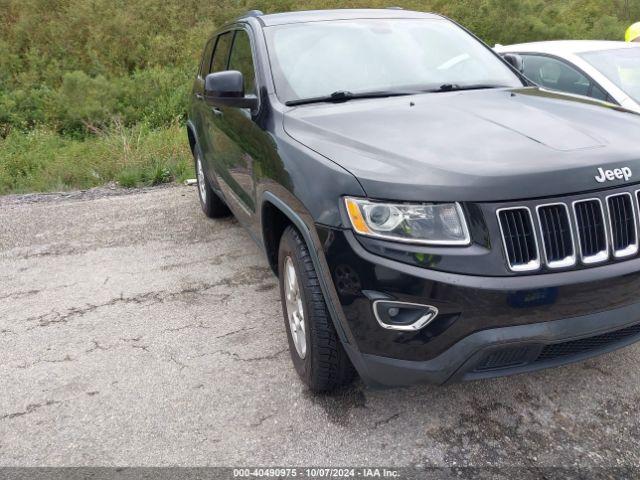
253 13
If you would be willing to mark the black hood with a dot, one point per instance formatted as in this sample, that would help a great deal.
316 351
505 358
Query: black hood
483 145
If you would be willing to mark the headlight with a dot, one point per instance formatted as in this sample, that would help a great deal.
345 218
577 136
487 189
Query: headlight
428 224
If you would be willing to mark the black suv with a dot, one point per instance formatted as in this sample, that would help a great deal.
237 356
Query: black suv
431 216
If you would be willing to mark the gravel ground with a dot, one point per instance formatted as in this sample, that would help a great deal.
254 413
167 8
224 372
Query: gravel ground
133 331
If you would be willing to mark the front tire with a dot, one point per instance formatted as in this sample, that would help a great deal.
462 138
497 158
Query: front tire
212 205
316 351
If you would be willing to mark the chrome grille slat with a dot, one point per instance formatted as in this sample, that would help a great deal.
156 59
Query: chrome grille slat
591 231
519 238
622 224
557 235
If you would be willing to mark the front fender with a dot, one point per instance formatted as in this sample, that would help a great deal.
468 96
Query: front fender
302 220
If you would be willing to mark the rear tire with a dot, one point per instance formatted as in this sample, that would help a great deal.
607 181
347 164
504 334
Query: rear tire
212 205
316 351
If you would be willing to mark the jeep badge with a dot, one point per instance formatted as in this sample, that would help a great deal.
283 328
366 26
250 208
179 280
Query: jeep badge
609 175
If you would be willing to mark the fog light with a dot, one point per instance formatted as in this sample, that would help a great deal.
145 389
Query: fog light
393 312
404 317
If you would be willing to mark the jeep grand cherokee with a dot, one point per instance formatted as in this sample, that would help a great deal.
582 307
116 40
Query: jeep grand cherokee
430 215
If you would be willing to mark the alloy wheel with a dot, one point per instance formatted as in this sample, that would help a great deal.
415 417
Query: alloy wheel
295 312
201 182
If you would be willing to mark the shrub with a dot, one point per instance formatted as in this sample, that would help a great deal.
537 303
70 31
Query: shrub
43 160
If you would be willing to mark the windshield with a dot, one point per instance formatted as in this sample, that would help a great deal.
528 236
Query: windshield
316 59
621 66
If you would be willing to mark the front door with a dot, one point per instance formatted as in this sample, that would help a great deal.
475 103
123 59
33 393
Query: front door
235 137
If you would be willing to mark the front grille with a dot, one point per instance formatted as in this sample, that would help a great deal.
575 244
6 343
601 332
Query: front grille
623 225
562 234
557 239
592 234
519 238
576 347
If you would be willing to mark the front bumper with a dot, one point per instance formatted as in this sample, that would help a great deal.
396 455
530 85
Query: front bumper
487 326
510 350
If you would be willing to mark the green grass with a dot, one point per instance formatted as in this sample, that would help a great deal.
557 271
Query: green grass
42 160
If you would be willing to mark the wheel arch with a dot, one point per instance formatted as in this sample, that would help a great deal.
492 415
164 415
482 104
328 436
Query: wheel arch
273 205
273 222
192 136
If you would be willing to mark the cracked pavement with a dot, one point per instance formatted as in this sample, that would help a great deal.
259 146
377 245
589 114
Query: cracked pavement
134 331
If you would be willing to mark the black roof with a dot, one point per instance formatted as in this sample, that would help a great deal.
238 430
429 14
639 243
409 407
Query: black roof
339 14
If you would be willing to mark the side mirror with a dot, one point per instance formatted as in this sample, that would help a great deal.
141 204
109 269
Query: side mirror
515 61
226 89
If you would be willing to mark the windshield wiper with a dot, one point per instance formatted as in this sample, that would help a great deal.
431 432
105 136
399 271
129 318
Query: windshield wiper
454 87
345 96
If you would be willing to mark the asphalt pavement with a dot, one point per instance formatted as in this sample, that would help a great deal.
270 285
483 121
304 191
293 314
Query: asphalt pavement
134 331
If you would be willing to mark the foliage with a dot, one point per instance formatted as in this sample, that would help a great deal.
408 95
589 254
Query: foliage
89 71
75 65
42 160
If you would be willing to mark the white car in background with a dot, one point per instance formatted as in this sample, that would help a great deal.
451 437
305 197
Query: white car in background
608 71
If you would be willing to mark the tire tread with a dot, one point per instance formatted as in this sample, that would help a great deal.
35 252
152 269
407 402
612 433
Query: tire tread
213 206
330 365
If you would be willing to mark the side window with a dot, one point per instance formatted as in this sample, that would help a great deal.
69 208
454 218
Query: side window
555 75
221 55
242 60
206 58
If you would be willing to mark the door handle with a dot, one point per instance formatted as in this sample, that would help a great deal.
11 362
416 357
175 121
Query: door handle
216 111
